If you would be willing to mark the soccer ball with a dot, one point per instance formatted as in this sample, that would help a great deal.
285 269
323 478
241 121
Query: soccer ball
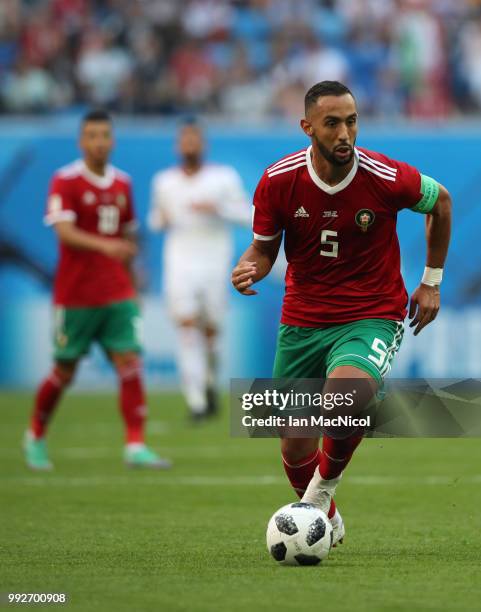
299 534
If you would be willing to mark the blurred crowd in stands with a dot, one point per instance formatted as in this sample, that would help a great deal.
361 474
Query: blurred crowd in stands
240 58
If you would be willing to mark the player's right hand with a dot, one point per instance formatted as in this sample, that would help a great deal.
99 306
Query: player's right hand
243 277
120 249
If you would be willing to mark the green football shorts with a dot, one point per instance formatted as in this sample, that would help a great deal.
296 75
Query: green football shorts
116 327
311 352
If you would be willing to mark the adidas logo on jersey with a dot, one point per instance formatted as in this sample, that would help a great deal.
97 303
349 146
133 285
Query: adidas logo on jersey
301 212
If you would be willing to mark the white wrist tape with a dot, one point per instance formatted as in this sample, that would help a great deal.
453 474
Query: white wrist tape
432 276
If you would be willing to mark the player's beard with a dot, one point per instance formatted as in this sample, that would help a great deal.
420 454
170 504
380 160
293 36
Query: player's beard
192 160
330 156
97 160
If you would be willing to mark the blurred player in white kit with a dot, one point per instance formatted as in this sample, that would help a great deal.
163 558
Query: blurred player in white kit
195 202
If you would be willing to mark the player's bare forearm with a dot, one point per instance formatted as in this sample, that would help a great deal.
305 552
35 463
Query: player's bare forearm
78 239
438 230
255 264
425 301
264 255
117 248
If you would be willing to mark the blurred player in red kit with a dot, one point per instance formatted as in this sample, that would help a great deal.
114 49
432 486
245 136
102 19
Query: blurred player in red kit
91 210
345 300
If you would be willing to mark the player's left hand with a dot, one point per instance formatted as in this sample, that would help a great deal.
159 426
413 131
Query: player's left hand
424 306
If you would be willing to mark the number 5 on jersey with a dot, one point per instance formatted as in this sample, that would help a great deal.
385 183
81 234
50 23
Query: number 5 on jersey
333 245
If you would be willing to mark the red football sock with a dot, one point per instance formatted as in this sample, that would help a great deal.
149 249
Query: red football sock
336 454
300 475
46 399
132 401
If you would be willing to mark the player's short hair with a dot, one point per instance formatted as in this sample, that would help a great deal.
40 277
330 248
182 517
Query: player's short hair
324 88
189 121
96 114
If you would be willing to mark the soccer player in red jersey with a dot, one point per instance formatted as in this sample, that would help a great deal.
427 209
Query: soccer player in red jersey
91 209
345 300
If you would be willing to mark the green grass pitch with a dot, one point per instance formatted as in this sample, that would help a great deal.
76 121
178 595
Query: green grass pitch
193 539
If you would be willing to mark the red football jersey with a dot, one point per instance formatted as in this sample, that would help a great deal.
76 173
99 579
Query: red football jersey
100 205
340 242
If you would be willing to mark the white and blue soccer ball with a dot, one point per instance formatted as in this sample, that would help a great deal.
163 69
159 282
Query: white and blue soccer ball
299 534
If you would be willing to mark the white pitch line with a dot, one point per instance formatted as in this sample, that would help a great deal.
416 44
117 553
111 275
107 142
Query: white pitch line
223 481
209 452
407 480
161 480
88 452
99 427
96 453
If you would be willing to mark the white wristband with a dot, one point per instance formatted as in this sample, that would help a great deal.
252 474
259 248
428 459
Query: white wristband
432 276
